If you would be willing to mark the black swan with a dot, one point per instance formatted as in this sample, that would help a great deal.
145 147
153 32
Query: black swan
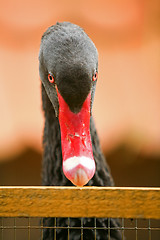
68 66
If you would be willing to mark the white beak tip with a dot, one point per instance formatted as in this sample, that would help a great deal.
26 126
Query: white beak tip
79 170
80 178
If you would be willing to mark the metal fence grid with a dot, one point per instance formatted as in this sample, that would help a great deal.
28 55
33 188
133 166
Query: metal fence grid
32 229
24 212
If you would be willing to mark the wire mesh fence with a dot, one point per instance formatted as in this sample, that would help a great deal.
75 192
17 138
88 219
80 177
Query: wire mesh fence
33 229
34 213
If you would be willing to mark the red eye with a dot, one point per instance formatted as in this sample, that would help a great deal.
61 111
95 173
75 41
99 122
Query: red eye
95 76
50 78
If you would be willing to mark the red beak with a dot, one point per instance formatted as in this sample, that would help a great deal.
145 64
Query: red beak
78 161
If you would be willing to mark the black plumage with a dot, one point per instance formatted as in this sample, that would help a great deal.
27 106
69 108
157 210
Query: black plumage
71 57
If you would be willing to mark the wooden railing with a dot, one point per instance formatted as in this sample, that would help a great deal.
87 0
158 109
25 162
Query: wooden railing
115 202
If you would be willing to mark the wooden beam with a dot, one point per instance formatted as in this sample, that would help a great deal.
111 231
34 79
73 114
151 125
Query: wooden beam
115 202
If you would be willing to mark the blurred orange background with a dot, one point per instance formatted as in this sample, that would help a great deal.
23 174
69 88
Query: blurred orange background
127 100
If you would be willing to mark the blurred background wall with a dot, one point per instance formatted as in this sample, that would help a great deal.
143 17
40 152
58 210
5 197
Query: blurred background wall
127 100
